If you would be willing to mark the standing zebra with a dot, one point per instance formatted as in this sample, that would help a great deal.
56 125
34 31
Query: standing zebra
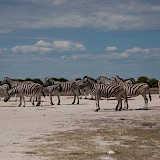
134 90
25 89
66 87
107 91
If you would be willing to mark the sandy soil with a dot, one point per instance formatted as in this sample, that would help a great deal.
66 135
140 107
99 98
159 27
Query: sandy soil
77 132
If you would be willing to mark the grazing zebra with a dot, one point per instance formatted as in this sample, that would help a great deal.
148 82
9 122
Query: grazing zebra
3 90
134 90
26 89
66 87
159 87
12 83
107 91
86 91
52 89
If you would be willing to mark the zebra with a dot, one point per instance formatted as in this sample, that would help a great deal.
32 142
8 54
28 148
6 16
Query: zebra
12 83
66 87
3 90
105 80
86 91
51 90
130 81
26 89
159 87
134 90
102 90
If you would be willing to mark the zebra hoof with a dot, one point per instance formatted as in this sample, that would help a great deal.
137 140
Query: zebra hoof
97 110
52 103
38 105
23 106
58 103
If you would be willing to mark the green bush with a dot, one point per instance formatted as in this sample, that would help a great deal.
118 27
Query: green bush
153 82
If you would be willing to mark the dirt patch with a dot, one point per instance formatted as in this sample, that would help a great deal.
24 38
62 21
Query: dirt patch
102 139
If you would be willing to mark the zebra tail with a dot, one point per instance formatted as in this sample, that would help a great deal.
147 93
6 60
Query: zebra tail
149 95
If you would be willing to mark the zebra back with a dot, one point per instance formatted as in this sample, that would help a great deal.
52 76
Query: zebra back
103 90
133 89
105 80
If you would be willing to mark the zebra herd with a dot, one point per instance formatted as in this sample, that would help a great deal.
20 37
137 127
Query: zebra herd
115 87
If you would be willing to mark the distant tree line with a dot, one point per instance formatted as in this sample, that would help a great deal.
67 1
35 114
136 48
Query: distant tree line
153 82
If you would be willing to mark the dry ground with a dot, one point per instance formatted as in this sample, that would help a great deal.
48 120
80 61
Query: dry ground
76 132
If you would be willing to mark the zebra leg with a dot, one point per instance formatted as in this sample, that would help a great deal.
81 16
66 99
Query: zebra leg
24 102
32 98
58 100
39 100
117 104
16 98
145 101
51 102
20 102
97 104
120 108
77 94
74 98
125 102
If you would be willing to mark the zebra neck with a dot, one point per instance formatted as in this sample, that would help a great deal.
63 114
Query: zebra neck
91 85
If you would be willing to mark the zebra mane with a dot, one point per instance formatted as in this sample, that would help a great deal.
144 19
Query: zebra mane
119 78
92 79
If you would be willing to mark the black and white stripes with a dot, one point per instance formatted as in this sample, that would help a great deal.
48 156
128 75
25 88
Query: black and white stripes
133 90
66 88
107 91
22 89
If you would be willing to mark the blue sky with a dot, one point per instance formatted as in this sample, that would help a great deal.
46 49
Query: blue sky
74 38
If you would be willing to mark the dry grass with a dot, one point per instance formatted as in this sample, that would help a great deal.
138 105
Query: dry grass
129 139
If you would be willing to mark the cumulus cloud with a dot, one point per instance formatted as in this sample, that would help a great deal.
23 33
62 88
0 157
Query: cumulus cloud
126 54
3 50
106 15
111 48
44 46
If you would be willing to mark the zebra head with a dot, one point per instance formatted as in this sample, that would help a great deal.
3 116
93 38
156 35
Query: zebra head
118 79
7 80
10 93
85 82
48 82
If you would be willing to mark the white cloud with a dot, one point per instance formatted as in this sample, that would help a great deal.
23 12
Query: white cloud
111 48
106 15
3 50
126 54
43 47
137 50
